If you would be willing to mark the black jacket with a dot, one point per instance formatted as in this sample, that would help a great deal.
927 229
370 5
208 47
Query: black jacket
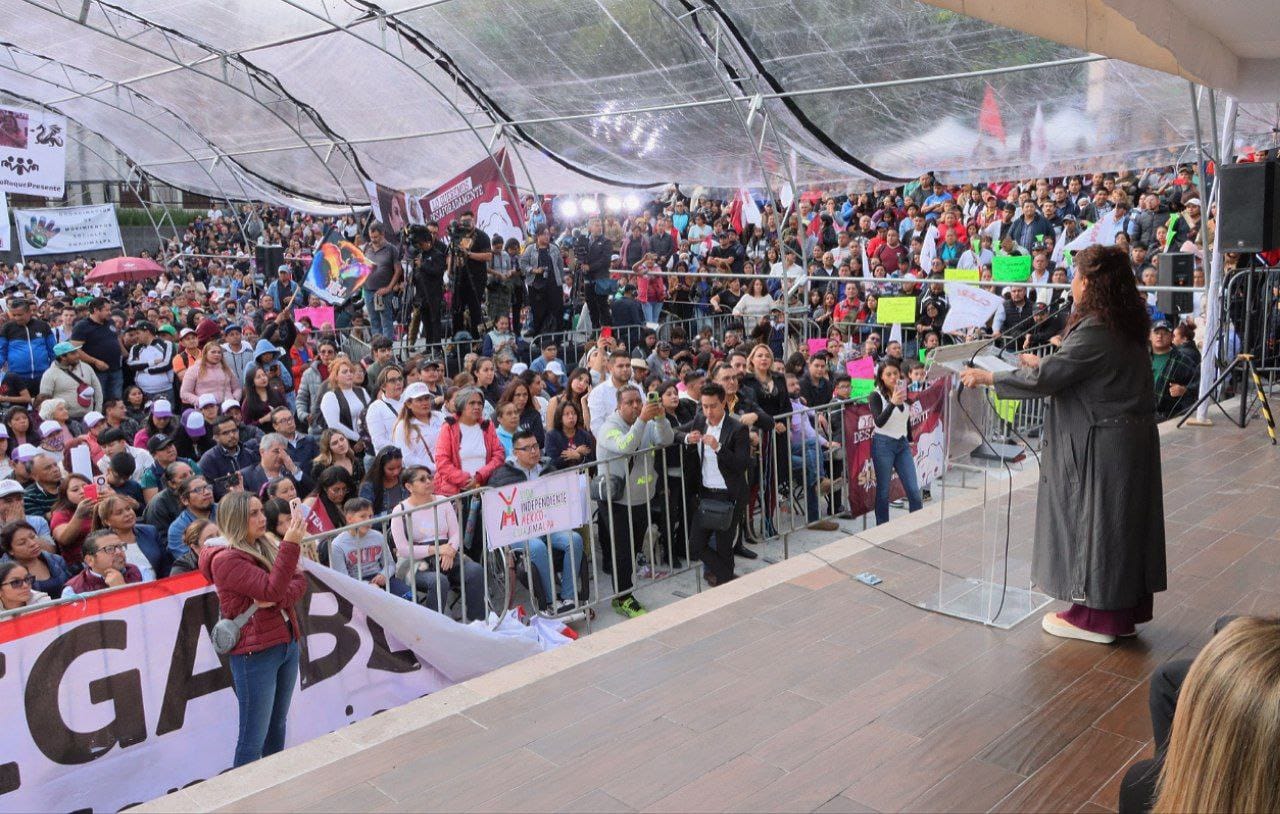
599 256
734 456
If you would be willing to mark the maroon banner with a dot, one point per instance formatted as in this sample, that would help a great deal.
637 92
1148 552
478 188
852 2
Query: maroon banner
484 190
928 446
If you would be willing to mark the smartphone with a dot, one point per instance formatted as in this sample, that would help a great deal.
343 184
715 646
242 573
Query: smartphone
295 507
654 396
607 332
90 491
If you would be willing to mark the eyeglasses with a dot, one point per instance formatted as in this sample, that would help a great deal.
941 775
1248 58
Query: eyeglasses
25 582
110 549
527 448
200 489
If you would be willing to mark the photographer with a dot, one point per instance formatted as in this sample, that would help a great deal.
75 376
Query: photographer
470 251
594 258
543 267
429 255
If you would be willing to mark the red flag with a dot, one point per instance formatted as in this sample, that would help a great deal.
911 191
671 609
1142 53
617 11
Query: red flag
735 214
989 121
815 227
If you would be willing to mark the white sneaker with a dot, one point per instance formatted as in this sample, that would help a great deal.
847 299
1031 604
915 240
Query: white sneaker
1055 625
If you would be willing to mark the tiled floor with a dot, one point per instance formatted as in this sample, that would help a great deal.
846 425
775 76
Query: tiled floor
822 694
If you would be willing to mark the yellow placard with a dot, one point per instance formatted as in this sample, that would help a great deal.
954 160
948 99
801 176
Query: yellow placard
961 275
896 310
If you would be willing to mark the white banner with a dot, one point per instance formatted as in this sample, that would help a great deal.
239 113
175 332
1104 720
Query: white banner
535 508
120 698
71 230
5 226
33 155
969 307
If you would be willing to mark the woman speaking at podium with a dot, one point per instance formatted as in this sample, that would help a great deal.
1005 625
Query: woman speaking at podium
1100 512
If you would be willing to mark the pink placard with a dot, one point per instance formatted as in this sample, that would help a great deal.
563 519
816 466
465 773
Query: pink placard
864 368
817 345
321 317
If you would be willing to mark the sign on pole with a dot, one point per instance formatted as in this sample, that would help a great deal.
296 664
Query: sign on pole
33 155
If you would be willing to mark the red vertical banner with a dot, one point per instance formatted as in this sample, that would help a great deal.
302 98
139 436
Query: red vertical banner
484 189
928 446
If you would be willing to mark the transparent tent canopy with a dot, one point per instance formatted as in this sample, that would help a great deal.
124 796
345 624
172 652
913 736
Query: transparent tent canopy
301 101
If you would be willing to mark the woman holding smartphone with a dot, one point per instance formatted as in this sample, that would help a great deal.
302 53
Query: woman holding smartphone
251 570
890 441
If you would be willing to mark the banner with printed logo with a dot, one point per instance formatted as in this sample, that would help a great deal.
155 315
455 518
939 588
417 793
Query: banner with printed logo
33 153
70 230
534 508
927 432
119 698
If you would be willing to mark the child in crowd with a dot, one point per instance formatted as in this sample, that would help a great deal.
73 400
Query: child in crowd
916 373
363 553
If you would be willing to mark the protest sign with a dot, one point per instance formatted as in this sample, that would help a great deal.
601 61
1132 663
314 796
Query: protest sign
69 230
1011 268
817 345
33 156
970 307
482 189
535 508
321 316
961 275
896 310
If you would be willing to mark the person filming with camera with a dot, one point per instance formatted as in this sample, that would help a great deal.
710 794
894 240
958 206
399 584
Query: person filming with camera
470 251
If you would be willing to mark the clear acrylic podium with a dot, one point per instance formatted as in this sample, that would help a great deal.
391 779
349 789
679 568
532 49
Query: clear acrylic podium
984 542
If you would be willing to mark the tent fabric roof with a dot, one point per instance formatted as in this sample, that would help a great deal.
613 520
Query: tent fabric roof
1232 45
298 101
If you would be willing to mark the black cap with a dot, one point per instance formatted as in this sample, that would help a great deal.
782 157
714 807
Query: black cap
111 436
158 442
432 363
143 325
1161 325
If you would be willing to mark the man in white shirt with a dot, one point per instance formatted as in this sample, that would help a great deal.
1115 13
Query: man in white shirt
724 454
604 396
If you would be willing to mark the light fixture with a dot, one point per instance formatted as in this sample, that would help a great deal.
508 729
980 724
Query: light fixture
589 206
633 203
613 203
569 208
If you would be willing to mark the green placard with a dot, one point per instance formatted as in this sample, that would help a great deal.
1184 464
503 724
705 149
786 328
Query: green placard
861 388
897 310
961 275
1012 269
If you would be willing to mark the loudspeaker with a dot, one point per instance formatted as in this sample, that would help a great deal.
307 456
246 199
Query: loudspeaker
269 259
1249 212
1175 268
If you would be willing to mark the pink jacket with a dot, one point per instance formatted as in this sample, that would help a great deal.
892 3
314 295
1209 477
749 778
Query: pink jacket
216 380
650 287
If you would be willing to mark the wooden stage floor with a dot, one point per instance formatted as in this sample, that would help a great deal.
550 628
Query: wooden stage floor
821 694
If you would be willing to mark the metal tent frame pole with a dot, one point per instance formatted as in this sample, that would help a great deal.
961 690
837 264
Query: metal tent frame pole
1213 306
227 63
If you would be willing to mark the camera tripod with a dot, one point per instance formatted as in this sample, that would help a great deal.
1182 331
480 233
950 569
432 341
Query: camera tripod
1243 362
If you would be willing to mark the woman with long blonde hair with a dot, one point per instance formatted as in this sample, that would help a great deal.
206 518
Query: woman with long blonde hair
210 374
255 576
1226 731
344 402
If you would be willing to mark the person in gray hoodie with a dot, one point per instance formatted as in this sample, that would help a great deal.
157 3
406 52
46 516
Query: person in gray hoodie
634 426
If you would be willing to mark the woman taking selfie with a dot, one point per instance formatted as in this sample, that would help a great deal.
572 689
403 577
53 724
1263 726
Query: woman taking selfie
890 441
251 570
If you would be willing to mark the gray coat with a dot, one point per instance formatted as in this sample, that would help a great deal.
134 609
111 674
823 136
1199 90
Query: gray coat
1100 508
529 261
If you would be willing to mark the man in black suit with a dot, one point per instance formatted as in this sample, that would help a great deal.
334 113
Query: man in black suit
724 453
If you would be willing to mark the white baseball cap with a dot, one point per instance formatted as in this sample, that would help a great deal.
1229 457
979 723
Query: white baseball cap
415 391
26 452
49 427
206 400
229 404
8 486
92 418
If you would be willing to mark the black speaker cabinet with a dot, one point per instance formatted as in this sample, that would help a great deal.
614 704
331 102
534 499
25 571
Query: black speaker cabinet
1175 268
1249 219
269 258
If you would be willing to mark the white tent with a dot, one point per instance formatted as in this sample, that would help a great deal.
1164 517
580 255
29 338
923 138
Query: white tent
307 99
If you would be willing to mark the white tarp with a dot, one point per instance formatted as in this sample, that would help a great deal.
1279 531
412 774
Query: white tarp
33 155
120 698
70 230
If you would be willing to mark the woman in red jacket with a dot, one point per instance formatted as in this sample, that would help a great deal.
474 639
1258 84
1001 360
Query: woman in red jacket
251 570
468 450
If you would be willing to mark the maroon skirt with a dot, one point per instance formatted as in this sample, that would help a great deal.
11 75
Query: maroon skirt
1111 622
